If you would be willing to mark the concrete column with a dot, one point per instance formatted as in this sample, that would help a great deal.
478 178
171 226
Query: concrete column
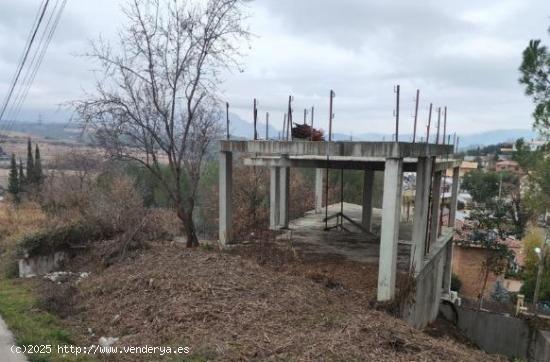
284 186
225 195
448 270
368 188
319 172
421 211
274 198
436 206
391 208
454 196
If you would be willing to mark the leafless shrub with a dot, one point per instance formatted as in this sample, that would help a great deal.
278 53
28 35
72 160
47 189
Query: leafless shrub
58 299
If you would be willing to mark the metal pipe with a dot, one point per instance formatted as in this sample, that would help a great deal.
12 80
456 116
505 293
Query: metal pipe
227 118
331 115
397 114
438 124
255 113
429 124
445 125
266 125
416 114
311 134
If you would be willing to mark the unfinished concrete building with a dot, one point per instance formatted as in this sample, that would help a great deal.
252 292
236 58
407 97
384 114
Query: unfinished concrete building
426 244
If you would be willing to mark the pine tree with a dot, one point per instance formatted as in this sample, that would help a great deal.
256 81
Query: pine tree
13 179
38 176
30 163
22 180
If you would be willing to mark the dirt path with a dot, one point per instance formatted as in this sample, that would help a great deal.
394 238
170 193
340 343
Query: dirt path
6 343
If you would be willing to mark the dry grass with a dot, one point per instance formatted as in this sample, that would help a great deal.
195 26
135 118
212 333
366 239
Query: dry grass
15 222
226 307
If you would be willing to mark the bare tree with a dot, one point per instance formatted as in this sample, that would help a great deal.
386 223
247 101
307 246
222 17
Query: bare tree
156 102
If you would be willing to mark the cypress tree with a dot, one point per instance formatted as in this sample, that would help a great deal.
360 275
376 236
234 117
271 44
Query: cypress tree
30 163
38 176
21 176
13 179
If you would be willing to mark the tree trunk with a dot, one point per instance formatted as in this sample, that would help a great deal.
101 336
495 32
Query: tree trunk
188 226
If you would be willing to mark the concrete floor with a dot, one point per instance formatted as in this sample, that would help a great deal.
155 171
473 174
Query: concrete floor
309 235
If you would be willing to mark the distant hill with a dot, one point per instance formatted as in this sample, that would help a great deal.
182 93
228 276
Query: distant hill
244 129
241 128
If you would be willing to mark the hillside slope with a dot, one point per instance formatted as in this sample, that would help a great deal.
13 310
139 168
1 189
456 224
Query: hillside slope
228 307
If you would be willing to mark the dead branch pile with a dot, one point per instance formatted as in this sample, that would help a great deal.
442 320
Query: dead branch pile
229 308
306 132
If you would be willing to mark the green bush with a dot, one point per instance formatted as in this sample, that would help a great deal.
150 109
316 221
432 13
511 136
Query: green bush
456 283
61 238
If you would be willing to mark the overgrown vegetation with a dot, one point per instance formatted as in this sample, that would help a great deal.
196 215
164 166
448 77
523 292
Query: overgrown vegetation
31 325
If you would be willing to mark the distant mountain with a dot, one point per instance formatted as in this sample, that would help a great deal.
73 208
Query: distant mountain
238 127
241 128
494 137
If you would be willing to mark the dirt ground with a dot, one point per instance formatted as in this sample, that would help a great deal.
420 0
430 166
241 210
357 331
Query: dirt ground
255 302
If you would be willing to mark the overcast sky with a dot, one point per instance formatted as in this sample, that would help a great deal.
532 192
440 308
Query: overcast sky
462 54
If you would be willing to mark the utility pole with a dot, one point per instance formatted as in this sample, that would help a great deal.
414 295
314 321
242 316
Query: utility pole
542 258
416 113
397 113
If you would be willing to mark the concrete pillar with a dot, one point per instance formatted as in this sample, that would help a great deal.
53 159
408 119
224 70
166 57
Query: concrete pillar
436 206
284 186
448 270
274 198
368 189
225 195
391 208
454 196
319 172
421 211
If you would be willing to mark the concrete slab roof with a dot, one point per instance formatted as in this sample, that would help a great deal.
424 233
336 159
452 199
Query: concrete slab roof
340 148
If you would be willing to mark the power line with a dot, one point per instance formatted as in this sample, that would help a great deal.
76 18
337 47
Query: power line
27 42
26 82
22 63
42 48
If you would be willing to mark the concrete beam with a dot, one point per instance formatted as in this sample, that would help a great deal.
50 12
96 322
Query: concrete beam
346 163
319 172
436 206
274 198
225 198
454 196
284 185
368 190
340 148
421 212
391 206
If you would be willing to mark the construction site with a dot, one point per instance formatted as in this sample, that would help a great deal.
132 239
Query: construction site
421 247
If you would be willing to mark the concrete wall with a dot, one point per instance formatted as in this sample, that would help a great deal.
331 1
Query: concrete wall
428 289
39 265
501 334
